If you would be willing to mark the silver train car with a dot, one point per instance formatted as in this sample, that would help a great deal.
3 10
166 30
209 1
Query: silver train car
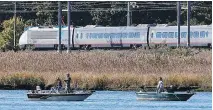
199 35
97 37
39 37
115 37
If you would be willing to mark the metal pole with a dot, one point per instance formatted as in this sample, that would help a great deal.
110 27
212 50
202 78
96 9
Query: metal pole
128 16
188 22
14 31
178 22
59 24
68 20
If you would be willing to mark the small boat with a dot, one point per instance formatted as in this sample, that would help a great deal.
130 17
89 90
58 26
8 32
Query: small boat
58 95
164 96
171 94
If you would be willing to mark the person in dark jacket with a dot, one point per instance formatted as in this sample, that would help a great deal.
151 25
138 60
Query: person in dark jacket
59 84
68 81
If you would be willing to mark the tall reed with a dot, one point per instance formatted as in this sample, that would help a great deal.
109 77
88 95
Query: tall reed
101 69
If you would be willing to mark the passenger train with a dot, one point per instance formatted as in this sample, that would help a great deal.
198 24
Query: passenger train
91 36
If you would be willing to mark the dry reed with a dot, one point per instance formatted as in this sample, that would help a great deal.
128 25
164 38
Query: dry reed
101 69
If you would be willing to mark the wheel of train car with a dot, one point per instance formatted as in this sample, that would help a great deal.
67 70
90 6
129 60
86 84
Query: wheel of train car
24 47
133 46
80 47
62 46
146 47
209 45
86 47
55 46
30 47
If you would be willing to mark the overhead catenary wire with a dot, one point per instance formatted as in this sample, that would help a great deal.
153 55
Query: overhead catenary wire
88 10
31 7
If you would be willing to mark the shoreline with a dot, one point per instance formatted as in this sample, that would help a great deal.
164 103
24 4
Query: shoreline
196 90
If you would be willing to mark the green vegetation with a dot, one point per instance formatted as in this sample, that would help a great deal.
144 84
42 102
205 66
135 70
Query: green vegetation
115 70
6 36
21 81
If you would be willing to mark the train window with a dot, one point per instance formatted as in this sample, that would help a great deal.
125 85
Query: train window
77 36
152 35
106 35
137 35
176 34
87 35
202 34
158 35
130 35
124 35
113 35
94 36
118 35
191 34
164 35
90 35
134 35
207 33
183 34
171 35
100 36
196 34
81 35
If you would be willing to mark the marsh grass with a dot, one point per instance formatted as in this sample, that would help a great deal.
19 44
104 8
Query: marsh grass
22 81
110 69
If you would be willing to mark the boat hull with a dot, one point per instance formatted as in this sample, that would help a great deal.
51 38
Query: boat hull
164 96
59 96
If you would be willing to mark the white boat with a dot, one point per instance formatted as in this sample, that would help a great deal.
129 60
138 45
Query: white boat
58 95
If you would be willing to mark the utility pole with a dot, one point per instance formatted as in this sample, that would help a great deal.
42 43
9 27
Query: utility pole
188 21
128 14
68 20
178 22
59 24
14 31
130 18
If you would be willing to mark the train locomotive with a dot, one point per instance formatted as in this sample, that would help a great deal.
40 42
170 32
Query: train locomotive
92 36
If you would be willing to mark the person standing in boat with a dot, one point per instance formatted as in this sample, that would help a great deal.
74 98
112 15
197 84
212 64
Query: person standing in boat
160 86
68 80
59 84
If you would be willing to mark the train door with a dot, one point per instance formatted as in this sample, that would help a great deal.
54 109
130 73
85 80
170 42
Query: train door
77 38
151 38
115 37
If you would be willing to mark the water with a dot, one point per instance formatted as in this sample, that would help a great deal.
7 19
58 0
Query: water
102 100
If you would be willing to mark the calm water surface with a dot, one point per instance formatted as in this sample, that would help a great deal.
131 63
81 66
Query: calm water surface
102 100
